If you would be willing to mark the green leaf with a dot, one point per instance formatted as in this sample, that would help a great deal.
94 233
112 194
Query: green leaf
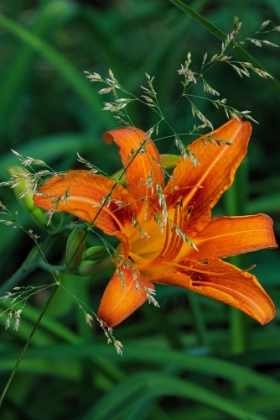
208 366
46 17
68 72
146 386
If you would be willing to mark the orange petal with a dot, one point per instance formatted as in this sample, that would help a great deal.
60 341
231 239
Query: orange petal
225 282
123 295
81 193
202 186
228 236
140 157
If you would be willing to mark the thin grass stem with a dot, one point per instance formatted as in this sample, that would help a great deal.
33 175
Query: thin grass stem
235 203
36 325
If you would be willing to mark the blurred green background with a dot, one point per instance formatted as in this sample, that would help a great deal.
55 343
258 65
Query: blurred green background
193 358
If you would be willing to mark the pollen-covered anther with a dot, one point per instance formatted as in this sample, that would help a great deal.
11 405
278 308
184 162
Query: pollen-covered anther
179 203
188 214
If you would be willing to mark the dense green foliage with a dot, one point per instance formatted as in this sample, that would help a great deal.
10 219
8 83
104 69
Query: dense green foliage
194 358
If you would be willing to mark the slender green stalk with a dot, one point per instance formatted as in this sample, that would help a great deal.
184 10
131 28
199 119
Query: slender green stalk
36 325
198 319
200 19
239 331
235 203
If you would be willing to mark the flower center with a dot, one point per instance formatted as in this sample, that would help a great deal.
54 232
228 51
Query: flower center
172 245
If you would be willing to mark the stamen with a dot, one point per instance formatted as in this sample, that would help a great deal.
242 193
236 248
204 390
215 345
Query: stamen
171 249
188 214
160 256
250 268
177 243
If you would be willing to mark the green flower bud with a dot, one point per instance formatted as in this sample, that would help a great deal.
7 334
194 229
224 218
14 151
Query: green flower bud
95 253
23 189
88 268
118 177
169 161
74 248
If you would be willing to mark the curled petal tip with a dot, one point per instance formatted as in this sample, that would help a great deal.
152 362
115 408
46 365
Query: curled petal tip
265 312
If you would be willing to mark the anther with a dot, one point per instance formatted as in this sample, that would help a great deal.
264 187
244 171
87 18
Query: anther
188 214
249 269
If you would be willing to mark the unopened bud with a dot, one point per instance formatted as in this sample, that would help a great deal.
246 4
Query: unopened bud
119 176
88 268
95 253
74 248
169 161
23 193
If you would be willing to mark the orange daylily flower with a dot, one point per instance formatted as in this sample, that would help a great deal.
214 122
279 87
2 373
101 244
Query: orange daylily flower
166 233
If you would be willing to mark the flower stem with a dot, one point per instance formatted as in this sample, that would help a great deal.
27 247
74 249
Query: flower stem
235 203
200 326
239 331
36 325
